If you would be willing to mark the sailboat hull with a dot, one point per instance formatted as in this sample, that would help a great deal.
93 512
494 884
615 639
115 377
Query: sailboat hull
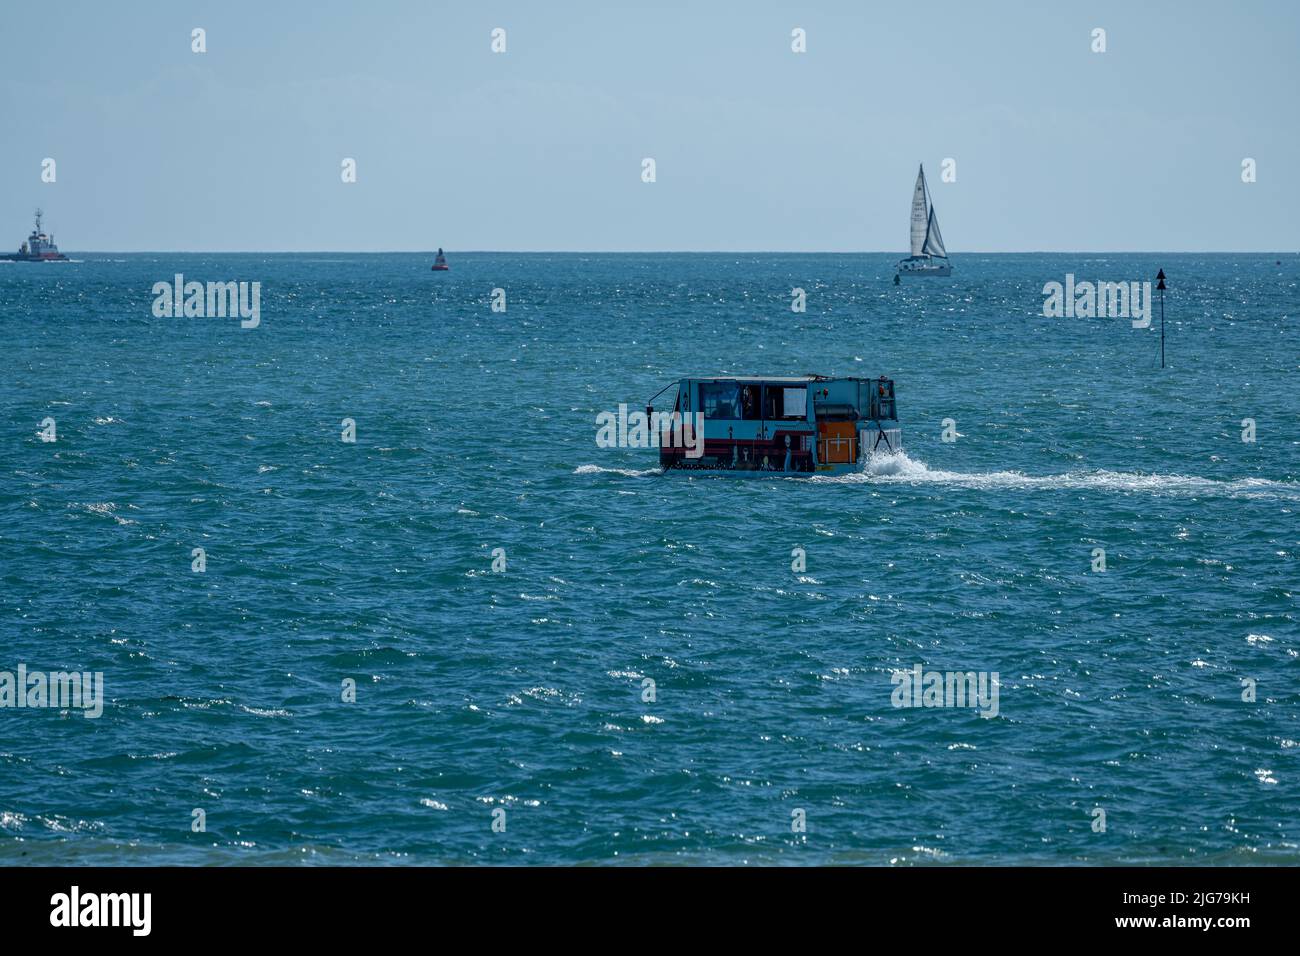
924 266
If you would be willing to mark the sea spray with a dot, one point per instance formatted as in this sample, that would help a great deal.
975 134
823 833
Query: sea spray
902 469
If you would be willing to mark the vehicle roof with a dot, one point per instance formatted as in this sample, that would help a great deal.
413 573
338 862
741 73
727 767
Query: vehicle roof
773 378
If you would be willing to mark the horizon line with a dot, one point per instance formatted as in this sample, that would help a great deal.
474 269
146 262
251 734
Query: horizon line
698 252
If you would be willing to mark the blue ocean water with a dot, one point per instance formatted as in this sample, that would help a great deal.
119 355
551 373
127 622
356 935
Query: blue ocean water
522 690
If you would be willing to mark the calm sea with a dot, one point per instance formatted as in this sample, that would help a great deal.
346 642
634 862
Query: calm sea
1161 691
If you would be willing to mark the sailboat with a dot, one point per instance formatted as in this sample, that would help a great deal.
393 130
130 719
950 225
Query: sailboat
928 258
440 262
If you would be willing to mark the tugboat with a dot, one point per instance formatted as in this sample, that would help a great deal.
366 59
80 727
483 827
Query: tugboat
928 258
38 248
773 427
440 262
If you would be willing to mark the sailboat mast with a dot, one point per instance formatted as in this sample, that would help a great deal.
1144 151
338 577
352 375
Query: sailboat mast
920 211
929 212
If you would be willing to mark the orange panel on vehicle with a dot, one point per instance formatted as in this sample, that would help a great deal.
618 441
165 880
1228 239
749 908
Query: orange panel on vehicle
837 442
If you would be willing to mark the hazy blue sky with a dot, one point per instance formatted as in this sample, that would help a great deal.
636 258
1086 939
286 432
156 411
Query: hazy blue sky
757 148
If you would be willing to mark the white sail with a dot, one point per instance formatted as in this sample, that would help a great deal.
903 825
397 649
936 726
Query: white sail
933 245
919 213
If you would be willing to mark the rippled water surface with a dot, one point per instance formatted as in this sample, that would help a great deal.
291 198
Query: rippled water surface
525 690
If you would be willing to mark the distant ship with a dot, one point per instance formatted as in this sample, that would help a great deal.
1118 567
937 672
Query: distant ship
928 258
38 248
440 262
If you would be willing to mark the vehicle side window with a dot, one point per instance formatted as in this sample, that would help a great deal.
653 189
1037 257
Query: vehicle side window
720 399
785 403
